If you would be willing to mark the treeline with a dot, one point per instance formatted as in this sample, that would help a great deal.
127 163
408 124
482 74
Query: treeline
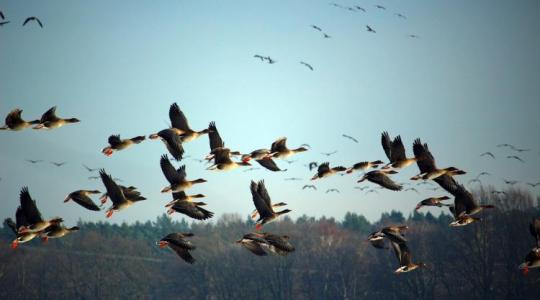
332 259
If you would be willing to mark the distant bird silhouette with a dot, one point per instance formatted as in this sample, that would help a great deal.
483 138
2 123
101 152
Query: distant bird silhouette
312 165
380 7
361 187
33 19
93 177
309 186
488 154
414 36
259 57
360 8
89 169
372 191
505 145
290 161
270 60
411 189
515 157
350 138
329 153
520 150
475 180
400 16
332 190
307 65
326 36
424 182
58 164
34 161
510 182
381 178
316 27
533 184
369 29
292 179
198 160
483 174
251 169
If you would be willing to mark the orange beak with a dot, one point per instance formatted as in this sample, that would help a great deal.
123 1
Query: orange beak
162 244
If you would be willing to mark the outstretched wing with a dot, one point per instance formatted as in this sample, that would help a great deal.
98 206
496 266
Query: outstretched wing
215 138
113 191
260 203
29 208
169 171
49 115
178 119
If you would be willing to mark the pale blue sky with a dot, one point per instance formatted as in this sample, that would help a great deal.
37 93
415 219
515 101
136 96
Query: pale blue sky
467 84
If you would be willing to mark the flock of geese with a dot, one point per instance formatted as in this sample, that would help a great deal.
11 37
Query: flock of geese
29 223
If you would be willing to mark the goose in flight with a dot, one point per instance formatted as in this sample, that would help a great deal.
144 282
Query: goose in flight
49 120
58 164
258 243
329 153
34 161
279 149
176 178
119 196
316 27
364 165
33 19
433 201
324 170
395 151
332 190
399 15
15 122
82 198
178 243
403 254
516 158
90 169
309 186
381 178
369 29
117 144
35 221
263 204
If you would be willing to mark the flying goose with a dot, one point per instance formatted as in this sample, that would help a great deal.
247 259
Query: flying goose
256 243
263 204
176 178
279 149
117 144
33 19
381 178
395 151
49 120
364 165
120 199
433 201
178 243
82 198
324 170
15 122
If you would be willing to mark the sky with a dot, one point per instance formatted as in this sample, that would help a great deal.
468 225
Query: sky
468 83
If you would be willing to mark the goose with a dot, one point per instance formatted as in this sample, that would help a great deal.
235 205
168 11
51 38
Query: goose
216 141
433 201
35 221
532 260
309 186
49 120
464 201
172 141
393 233
178 243
263 204
181 196
403 254
324 170
117 144
364 165
223 161
350 138
369 29
57 231
395 151
381 178
191 209
82 198
450 171
426 164
15 122
120 200
20 221
180 125
279 149
176 178
256 243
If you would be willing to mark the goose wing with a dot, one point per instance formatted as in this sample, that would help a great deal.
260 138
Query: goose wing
29 207
215 138
264 209
178 119
113 191
173 176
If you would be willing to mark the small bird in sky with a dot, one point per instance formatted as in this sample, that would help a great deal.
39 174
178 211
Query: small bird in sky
360 8
533 184
510 182
350 138
259 57
411 189
34 161
307 65
293 179
250 169
399 15
483 174
33 19
306 145
414 36
326 36
93 177
316 27
369 29
329 153
361 187
312 165
58 164
515 157
488 154
89 169
332 190
380 7
309 186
